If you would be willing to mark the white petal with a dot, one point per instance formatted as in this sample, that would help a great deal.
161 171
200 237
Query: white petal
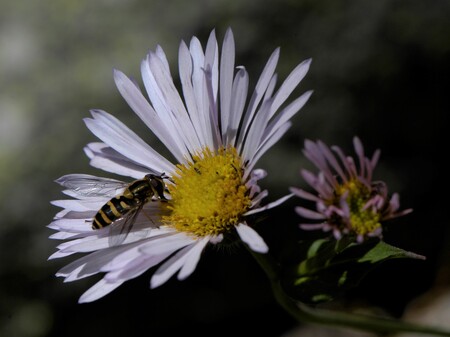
213 112
239 94
266 144
255 132
162 56
168 243
186 69
114 133
121 261
289 85
212 62
135 267
157 98
201 95
90 244
98 290
72 225
259 91
252 238
89 265
226 78
192 259
75 275
269 205
173 104
287 113
62 235
146 113
109 164
58 255
79 205
170 267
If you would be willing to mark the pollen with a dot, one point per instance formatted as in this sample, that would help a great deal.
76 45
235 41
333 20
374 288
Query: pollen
362 220
208 196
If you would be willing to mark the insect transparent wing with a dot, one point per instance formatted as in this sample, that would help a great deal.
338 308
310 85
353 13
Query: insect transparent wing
120 228
86 185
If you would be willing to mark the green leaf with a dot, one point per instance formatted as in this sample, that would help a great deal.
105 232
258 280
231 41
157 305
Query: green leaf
383 251
331 266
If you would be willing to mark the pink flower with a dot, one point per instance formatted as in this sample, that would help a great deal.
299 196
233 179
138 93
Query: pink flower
347 202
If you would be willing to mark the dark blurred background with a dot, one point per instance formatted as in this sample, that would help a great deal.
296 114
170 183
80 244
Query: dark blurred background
380 71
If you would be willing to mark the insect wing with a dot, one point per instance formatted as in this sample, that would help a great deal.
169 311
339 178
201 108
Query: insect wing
120 228
84 185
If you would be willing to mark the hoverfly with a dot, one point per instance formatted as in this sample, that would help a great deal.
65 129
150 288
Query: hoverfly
121 211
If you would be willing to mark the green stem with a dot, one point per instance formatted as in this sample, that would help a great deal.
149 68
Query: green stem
304 313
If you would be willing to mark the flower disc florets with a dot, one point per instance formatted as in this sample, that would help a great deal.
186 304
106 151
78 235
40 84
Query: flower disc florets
208 195
348 201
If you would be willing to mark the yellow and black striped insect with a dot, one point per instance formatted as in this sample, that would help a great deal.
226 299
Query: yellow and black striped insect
121 211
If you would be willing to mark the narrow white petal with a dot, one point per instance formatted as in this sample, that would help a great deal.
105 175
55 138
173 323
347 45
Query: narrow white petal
289 85
256 200
186 68
114 133
157 98
252 238
135 267
213 112
62 235
58 255
192 259
133 96
90 264
108 165
173 103
259 91
162 56
212 62
98 290
270 88
267 144
75 275
170 267
201 95
130 253
102 240
79 205
287 113
255 132
226 79
239 94
67 246
72 225
120 261
169 243
269 205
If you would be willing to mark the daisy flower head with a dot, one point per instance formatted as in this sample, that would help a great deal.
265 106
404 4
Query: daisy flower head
348 201
177 206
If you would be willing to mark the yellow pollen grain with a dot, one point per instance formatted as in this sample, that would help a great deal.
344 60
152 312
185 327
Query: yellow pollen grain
208 194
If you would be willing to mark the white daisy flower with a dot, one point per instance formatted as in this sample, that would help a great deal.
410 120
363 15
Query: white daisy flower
205 194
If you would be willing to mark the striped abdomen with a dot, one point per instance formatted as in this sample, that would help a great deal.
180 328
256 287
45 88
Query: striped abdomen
114 209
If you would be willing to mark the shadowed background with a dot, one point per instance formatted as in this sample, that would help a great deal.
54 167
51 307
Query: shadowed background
380 71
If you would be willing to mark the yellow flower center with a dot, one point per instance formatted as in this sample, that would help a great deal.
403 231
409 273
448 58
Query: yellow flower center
362 221
208 194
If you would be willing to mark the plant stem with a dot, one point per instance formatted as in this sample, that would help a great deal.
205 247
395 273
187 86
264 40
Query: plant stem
307 314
